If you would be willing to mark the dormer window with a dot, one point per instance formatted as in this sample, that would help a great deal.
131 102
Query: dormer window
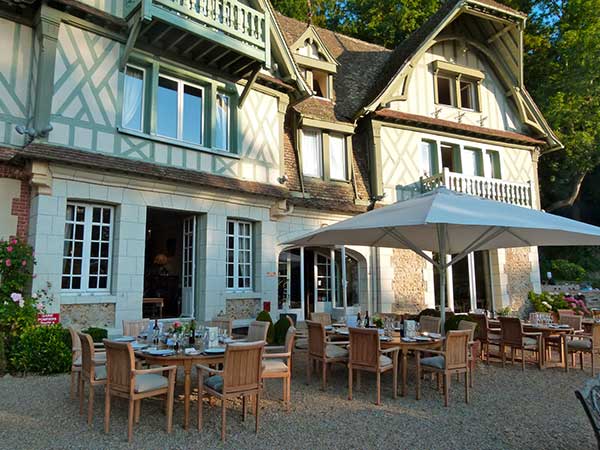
310 49
457 86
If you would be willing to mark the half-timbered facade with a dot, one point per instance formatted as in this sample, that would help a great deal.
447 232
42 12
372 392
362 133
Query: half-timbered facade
164 150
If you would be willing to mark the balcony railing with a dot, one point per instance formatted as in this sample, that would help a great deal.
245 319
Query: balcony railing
491 188
230 22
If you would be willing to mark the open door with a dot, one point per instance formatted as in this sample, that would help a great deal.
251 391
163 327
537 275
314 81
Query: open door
188 267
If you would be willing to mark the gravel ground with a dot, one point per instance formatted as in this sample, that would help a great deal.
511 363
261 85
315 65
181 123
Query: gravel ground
509 410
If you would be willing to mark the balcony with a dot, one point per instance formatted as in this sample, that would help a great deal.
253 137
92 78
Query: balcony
227 35
519 194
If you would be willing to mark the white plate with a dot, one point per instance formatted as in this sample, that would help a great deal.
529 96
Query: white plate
435 335
385 338
423 338
124 339
408 339
345 332
164 352
214 351
191 352
137 346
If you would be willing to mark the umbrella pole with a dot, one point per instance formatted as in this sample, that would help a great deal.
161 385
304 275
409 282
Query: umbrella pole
441 229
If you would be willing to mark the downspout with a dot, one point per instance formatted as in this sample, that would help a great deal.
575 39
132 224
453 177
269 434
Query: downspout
296 146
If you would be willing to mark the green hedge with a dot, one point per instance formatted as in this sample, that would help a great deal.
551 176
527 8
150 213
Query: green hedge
42 349
97 334
264 316
280 330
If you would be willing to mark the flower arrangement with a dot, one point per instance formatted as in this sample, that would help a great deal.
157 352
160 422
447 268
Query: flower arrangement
378 321
548 302
176 327
578 304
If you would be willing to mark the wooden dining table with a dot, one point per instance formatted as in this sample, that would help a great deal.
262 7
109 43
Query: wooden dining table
187 362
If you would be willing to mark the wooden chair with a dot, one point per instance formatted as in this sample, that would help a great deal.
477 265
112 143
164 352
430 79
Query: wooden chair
75 360
366 355
321 349
240 377
556 341
321 317
471 327
588 396
514 337
486 335
596 314
454 359
429 324
257 331
135 327
565 312
279 364
93 372
583 343
125 381
226 324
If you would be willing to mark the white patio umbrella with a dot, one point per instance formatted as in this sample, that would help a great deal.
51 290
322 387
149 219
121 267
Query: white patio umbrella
450 223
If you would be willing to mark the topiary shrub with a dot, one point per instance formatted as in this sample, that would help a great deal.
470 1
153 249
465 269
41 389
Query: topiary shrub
453 321
97 334
563 270
42 350
280 330
264 316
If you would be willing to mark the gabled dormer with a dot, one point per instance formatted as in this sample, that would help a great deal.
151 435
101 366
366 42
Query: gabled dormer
316 63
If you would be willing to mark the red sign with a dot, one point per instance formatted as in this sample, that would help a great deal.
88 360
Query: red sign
48 319
267 306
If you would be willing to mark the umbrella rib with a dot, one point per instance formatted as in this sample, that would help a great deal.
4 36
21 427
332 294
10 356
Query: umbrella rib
397 235
519 237
479 241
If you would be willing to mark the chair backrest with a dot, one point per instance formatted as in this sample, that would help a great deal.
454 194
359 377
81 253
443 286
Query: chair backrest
589 396
430 324
596 313
242 368
226 324
257 331
364 347
290 336
75 344
470 326
290 321
512 330
457 349
596 336
574 321
87 356
565 312
316 338
135 327
120 361
481 332
321 317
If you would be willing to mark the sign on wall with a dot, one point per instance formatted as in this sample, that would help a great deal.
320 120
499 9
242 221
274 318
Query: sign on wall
48 319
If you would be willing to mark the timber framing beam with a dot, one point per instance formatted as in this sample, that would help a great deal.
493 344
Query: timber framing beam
251 80
131 40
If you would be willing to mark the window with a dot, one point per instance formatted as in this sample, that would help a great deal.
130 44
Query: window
429 164
239 255
337 157
445 91
179 110
312 153
222 132
468 95
450 157
320 83
310 49
133 99
87 247
492 164
471 162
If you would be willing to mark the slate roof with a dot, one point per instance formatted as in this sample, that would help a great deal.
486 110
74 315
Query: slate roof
460 128
360 63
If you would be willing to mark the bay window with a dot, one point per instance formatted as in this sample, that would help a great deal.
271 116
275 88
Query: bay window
87 247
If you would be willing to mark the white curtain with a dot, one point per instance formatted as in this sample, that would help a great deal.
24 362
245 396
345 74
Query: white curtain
132 99
311 153
222 135
337 157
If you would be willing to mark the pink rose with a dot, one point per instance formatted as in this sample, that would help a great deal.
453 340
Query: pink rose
16 297
177 324
23 263
8 262
9 249
14 241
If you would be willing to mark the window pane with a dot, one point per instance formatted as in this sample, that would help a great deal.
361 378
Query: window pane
470 161
133 99
444 88
166 109
467 95
428 158
337 152
192 114
311 153
222 137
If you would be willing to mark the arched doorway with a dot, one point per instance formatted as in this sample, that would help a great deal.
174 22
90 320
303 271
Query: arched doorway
320 279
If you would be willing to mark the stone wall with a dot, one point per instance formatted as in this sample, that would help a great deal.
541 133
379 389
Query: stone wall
409 283
88 315
246 308
517 268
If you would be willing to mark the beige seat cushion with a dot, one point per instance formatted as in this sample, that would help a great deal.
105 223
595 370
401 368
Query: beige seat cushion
215 383
579 344
149 382
335 351
385 361
434 361
274 365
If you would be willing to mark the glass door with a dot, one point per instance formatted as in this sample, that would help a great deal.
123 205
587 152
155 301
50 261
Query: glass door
322 285
290 289
188 266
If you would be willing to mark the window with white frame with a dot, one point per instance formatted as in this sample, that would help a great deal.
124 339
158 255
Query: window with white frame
337 157
468 94
87 247
445 90
457 90
179 110
312 153
429 165
239 255
133 98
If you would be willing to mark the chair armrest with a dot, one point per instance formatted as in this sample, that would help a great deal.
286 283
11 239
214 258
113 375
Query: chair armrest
207 369
276 355
390 350
532 333
426 350
494 330
274 347
153 370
